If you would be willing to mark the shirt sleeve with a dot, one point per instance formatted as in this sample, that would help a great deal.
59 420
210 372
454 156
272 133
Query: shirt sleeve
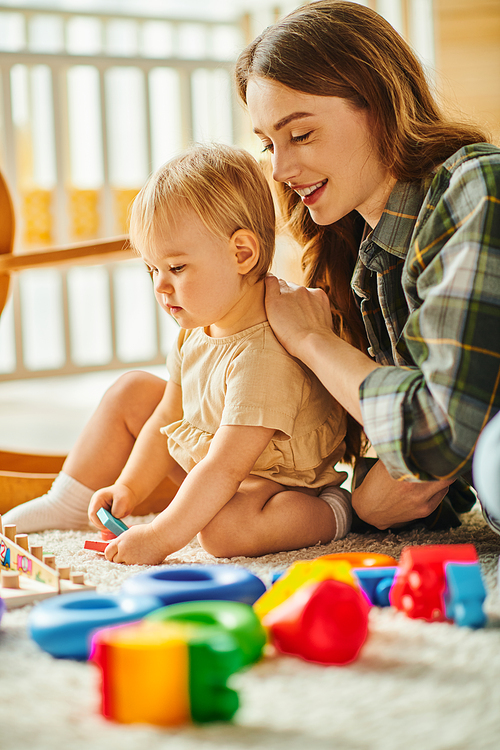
424 420
265 388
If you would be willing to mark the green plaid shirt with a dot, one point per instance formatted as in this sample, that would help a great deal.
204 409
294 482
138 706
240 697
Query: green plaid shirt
428 285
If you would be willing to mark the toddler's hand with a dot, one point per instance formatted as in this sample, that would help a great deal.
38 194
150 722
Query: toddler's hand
140 545
118 499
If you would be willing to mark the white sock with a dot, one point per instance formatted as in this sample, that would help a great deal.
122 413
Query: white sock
339 501
64 506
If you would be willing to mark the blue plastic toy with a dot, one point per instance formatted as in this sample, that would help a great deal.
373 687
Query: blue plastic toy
376 583
110 522
183 583
63 626
465 594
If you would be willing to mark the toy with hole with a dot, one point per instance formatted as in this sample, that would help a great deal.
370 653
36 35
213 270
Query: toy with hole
235 618
166 673
182 583
324 622
28 575
464 594
419 585
63 626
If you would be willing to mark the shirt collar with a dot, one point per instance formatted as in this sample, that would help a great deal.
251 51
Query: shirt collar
395 228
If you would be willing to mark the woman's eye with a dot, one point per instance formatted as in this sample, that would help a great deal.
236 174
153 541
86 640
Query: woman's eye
267 147
300 138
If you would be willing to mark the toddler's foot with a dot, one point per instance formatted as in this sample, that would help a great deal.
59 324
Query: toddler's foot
64 506
340 502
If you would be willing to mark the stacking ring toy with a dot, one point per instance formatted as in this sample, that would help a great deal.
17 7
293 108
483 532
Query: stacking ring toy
235 618
63 626
185 583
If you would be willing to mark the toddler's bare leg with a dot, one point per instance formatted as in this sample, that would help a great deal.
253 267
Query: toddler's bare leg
105 443
97 458
264 517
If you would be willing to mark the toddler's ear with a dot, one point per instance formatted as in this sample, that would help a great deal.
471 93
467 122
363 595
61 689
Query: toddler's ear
246 250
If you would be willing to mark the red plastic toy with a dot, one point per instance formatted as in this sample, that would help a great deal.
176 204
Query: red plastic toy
420 582
325 622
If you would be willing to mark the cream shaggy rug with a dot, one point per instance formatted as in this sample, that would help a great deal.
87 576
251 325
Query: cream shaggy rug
415 686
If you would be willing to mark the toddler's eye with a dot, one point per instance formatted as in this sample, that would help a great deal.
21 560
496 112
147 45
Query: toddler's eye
151 271
177 269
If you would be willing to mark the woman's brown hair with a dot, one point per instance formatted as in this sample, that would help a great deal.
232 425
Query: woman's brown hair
336 48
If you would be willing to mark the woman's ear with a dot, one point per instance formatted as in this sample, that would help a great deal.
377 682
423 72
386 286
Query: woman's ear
246 250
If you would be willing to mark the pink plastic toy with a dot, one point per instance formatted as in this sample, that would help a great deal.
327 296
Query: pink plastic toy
325 622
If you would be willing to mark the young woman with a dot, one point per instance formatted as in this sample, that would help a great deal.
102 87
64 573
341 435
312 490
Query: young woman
398 210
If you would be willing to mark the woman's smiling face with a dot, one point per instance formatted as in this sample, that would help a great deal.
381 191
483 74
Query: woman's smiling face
323 148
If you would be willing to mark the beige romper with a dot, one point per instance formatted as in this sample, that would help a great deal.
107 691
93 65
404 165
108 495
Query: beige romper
249 379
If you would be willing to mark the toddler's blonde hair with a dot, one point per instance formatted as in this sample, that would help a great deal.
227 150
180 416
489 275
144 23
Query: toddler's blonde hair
224 185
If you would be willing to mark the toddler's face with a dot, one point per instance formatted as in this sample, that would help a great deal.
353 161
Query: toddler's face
195 274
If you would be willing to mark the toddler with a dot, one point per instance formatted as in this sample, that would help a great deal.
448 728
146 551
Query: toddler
248 433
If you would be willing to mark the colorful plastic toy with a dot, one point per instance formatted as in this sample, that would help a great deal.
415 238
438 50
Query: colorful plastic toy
166 673
115 525
301 573
420 583
182 583
376 583
362 559
63 626
2 608
325 622
235 618
464 595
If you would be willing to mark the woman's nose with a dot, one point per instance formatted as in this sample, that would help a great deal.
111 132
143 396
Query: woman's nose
284 166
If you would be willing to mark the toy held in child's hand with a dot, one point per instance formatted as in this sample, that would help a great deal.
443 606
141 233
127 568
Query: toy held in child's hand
180 670
113 524
325 622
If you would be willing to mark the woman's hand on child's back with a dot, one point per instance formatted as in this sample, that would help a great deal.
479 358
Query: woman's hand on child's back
294 312
118 499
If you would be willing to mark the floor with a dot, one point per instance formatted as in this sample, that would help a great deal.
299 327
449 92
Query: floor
46 414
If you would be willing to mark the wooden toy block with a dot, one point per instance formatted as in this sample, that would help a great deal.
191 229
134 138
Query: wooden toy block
30 576
113 524
95 545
